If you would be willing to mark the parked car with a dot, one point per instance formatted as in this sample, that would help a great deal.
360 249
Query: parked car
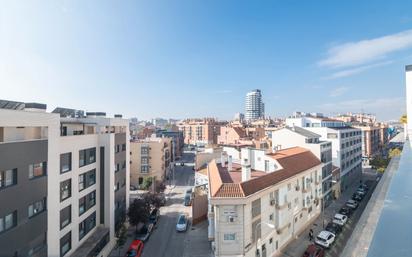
135 249
333 228
340 219
361 191
364 186
346 211
181 225
325 239
189 191
314 251
188 200
143 233
154 216
352 204
357 197
133 188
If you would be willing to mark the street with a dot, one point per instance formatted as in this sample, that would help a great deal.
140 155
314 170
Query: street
297 247
165 241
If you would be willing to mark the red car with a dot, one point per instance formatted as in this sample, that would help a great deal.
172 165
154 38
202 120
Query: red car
314 251
135 249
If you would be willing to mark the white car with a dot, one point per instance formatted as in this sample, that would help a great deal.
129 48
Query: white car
340 219
325 239
361 192
352 204
181 225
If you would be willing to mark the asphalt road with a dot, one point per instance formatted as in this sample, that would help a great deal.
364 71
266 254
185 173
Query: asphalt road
165 241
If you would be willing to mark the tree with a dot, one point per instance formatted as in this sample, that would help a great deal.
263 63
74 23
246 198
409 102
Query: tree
139 212
154 200
394 152
121 237
404 119
147 182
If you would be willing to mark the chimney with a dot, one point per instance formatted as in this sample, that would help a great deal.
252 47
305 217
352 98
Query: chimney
246 160
223 159
229 163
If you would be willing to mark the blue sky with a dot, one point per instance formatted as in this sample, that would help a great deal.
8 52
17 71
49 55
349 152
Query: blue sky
193 58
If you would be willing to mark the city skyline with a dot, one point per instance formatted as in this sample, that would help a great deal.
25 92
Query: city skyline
202 58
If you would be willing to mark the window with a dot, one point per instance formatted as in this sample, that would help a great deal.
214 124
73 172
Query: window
65 216
86 225
124 165
8 222
271 217
256 208
8 178
117 148
65 189
37 170
65 162
87 156
65 244
117 187
116 167
230 236
37 207
145 160
123 147
144 169
87 202
87 179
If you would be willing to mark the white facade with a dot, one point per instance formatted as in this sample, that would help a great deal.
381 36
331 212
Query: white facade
408 78
254 106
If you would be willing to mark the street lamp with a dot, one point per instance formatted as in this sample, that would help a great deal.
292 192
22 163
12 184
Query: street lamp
260 224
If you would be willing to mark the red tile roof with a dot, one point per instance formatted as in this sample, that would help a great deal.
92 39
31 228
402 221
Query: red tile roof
224 183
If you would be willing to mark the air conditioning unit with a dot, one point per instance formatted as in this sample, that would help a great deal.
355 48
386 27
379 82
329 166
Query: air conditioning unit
272 202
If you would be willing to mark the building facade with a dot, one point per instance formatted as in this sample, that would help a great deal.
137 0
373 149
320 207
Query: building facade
254 106
371 142
346 145
71 197
267 196
200 131
151 157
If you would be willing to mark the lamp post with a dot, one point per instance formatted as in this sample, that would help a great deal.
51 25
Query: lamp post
256 236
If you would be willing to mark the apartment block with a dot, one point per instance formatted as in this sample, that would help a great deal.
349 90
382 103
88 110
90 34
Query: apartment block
346 145
177 141
63 167
295 136
259 201
371 141
200 131
150 157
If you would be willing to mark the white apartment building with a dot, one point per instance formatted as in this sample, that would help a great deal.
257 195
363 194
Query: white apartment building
267 196
408 78
78 181
296 136
254 106
346 144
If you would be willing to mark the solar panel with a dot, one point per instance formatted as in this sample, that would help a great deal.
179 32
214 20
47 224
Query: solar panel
69 113
11 105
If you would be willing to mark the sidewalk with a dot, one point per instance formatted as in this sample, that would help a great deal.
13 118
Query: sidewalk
298 246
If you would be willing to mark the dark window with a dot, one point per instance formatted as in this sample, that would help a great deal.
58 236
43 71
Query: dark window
37 207
87 202
8 178
117 148
8 221
65 244
123 147
65 162
86 225
124 165
37 169
256 208
87 179
65 189
65 216
87 156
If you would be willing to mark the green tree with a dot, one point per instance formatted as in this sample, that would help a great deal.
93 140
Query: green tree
121 237
147 182
153 199
394 152
139 211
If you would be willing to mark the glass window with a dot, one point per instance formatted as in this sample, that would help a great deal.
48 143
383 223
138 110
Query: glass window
123 147
124 165
81 182
82 205
37 170
91 177
65 244
65 189
87 156
37 207
1 224
65 216
86 225
8 178
65 162
256 208
10 220
231 236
